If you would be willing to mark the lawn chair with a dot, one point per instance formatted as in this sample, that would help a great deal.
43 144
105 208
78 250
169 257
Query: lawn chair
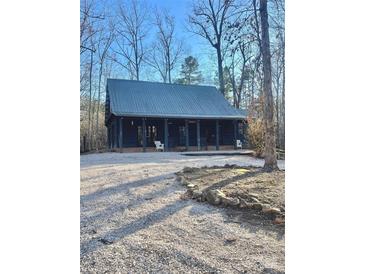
238 144
159 146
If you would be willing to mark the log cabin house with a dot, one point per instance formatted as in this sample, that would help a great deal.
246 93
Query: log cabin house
182 117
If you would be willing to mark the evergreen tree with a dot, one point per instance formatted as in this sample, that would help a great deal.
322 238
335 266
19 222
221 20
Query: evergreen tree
190 74
228 91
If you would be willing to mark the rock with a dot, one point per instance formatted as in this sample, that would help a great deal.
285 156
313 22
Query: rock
189 169
220 193
279 220
243 204
230 201
231 166
197 194
213 200
271 210
257 206
214 196
105 241
185 196
235 202
230 240
191 186
182 180
255 200
225 200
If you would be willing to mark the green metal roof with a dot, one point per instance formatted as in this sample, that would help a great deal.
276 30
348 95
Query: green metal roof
151 99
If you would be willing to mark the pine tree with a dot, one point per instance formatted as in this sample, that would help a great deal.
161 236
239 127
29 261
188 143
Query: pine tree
190 74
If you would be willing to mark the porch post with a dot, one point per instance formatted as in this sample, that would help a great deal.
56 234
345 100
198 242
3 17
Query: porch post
216 134
144 134
166 135
235 134
109 136
121 134
198 133
187 134
116 133
113 134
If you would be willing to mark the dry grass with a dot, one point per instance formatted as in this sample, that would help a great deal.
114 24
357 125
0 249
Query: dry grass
249 184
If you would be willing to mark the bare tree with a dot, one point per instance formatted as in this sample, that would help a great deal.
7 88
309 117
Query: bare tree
277 75
208 20
243 49
276 16
279 26
239 40
270 145
88 17
103 44
168 49
132 29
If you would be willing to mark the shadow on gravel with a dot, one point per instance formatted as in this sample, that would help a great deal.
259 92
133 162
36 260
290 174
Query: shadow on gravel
248 219
253 221
109 212
191 260
128 229
123 187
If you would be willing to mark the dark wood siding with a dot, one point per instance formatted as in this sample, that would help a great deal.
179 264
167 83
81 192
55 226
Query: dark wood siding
132 132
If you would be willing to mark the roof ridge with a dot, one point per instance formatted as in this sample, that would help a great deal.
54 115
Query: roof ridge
151 82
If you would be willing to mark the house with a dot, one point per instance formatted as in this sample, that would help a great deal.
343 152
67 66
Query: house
182 117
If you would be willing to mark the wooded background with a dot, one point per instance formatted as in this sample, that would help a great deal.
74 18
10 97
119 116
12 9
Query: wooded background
140 40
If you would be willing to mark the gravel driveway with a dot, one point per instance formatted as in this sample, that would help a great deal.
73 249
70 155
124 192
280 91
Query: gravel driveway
133 220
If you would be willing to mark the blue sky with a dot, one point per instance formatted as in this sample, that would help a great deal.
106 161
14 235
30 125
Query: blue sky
194 45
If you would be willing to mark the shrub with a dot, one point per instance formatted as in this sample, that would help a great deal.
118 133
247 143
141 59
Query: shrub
256 136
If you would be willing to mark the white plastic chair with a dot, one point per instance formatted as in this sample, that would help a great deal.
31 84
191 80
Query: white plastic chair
239 144
159 146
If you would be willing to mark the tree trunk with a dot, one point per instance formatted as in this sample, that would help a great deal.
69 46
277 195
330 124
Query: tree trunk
136 56
232 78
169 66
220 70
270 149
98 102
283 102
240 87
277 110
90 100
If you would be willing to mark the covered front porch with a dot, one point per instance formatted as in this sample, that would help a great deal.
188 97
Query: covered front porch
137 134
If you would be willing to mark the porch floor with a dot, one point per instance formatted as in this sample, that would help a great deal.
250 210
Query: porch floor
219 152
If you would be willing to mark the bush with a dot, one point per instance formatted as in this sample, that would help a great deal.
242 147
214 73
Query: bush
256 136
